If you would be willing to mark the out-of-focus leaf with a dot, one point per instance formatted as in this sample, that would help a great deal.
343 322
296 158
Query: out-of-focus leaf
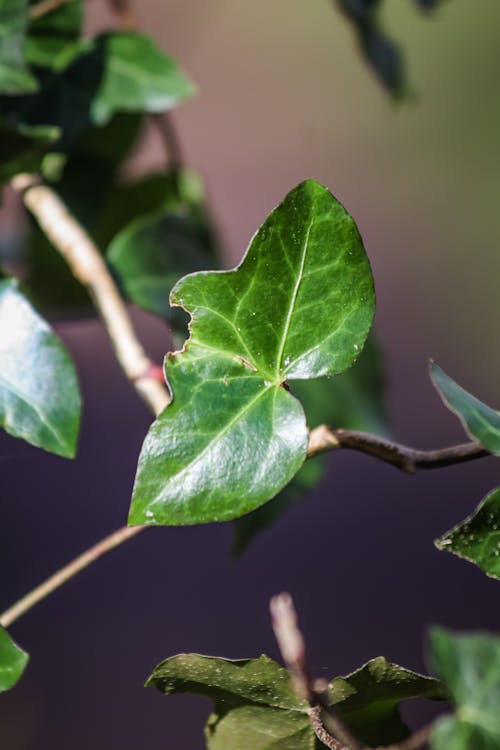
39 394
299 306
368 699
15 77
13 661
469 665
353 400
480 421
477 539
154 250
256 709
22 149
50 34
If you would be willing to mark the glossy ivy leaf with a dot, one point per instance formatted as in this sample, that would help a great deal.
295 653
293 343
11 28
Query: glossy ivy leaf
480 421
51 33
15 77
477 539
13 661
255 707
233 435
154 250
353 400
39 394
469 665
368 699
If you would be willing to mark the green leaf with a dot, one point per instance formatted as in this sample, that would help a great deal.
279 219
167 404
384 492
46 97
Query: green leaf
479 421
256 708
150 254
39 395
368 699
469 665
13 661
23 148
50 34
15 77
477 539
300 305
353 400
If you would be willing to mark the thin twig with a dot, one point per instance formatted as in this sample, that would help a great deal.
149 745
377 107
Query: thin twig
69 571
407 459
417 741
45 6
88 266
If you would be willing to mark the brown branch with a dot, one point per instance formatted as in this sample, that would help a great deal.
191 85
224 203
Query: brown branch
407 459
88 267
45 6
420 739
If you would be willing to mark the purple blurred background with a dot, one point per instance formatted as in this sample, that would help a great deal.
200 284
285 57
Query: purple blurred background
283 96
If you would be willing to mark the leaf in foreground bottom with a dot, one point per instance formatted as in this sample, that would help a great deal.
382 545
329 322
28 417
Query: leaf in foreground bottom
299 306
13 661
477 539
469 664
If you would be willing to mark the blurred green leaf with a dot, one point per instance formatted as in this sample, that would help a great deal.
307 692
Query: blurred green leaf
15 77
479 421
368 699
353 400
39 394
51 33
469 665
300 305
477 539
22 148
256 708
13 661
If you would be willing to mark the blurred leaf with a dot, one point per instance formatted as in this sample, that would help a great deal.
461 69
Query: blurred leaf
50 34
39 394
469 665
368 699
381 54
479 421
233 436
15 77
153 251
477 539
22 149
13 661
255 707
353 400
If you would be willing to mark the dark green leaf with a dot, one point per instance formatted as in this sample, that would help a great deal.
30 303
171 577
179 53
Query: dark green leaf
39 395
15 77
299 306
13 661
368 699
469 665
50 34
353 400
256 728
481 422
477 539
22 149
153 251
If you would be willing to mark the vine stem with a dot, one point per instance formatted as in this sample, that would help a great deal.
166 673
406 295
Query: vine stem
67 572
327 725
45 6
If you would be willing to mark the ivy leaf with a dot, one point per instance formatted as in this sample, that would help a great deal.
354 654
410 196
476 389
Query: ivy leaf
255 707
368 699
39 395
233 435
15 77
13 661
480 421
353 400
23 148
469 665
52 33
477 539
151 252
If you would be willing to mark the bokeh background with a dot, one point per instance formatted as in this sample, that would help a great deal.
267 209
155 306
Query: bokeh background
283 96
